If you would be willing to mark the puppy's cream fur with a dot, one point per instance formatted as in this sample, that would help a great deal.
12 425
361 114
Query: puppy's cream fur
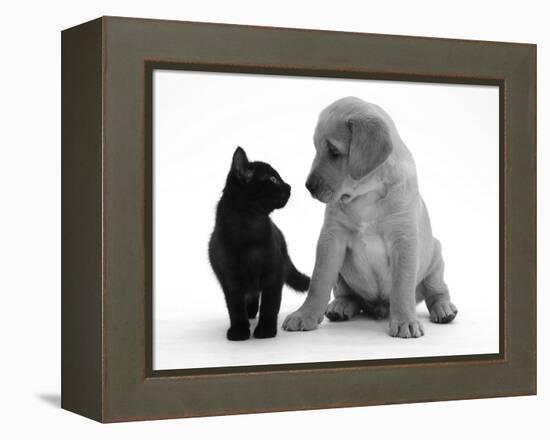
376 248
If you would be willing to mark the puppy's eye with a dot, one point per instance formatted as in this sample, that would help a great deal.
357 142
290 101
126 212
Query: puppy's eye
273 179
333 152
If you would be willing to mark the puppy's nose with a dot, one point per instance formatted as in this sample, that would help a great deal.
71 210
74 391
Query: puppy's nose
311 185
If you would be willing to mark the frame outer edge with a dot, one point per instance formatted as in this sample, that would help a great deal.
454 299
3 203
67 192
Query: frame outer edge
81 217
533 66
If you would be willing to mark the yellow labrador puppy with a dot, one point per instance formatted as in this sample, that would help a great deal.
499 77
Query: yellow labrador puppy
376 248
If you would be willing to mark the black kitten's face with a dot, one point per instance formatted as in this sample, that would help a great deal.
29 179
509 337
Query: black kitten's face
266 186
259 183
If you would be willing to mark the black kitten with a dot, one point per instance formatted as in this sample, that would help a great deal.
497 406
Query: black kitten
248 252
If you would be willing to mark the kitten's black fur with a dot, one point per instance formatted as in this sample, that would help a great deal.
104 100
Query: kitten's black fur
248 252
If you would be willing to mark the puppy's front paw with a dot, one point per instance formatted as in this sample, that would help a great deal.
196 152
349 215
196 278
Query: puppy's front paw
302 321
238 333
406 328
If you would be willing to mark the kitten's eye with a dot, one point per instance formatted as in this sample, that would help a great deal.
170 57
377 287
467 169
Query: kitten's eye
333 152
273 179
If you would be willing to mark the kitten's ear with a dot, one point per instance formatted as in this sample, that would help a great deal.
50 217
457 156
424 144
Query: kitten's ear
240 164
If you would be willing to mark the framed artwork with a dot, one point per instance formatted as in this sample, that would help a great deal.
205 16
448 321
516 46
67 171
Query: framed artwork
265 219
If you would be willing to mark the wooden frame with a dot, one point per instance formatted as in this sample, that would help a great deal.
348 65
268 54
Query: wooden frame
107 68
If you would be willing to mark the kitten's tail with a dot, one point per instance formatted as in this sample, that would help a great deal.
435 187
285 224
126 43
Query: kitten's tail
296 279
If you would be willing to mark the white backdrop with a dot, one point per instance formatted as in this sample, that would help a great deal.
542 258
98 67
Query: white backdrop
199 119
30 231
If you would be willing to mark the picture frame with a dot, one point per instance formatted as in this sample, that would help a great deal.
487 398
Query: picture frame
107 219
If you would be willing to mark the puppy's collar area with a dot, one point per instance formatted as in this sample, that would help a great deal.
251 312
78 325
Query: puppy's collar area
353 189
346 198
373 194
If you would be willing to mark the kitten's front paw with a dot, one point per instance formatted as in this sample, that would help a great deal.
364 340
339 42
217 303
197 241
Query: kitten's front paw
238 333
406 328
302 321
265 331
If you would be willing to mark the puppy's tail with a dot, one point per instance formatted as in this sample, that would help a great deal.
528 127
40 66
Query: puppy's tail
296 279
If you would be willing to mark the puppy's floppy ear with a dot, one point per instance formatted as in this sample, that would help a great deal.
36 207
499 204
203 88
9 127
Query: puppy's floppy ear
239 164
370 145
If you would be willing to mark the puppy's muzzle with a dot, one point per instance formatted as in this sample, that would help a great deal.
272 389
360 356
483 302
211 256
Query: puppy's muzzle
312 184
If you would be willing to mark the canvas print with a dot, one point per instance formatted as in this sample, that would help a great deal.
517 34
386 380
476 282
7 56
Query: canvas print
302 219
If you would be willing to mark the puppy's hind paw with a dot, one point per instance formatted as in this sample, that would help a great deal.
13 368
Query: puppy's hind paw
408 328
443 312
343 308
